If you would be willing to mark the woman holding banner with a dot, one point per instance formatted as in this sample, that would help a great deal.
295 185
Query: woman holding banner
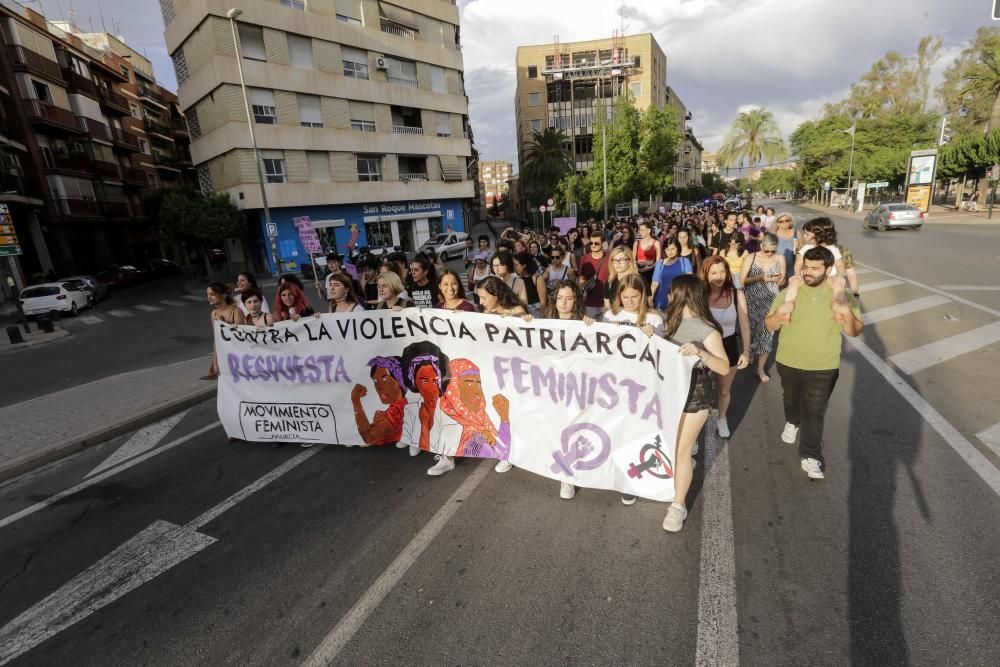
496 298
452 293
690 325
343 298
729 308
224 309
292 303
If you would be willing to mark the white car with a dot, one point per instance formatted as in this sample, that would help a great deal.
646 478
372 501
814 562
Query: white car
451 244
65 297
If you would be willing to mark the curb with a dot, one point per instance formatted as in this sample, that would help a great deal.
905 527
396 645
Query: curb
76 443
37 340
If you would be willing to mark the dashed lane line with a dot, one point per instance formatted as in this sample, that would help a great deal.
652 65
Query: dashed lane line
936 290
939 351
192 297
905 308
991 438
120 313
970 288
146 309
171 302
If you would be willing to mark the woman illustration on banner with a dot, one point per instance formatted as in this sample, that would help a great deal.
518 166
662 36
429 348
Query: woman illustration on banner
424 373
386 426
465 403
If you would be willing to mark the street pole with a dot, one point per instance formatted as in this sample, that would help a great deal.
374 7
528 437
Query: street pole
850 168
604 146
944 124
234 14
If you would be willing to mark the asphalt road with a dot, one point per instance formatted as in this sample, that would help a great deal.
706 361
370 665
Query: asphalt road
890 560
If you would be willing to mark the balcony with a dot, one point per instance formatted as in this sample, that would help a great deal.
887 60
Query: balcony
80 84
24 59
166 161
156 127
124 139
70 207
135 177
96 129
412 83
73 162
113 100
115 209
43 112
179 126
106 171
413 176
407 129
148 93
391 28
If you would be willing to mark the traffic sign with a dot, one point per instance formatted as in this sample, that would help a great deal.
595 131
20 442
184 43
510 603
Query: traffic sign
542 208
272 229
880 184
551 202
826 186
8 236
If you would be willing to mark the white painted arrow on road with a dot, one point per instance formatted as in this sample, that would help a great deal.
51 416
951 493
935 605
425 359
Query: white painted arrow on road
156 549
141 442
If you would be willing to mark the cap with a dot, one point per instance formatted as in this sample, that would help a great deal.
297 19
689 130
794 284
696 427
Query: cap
480 257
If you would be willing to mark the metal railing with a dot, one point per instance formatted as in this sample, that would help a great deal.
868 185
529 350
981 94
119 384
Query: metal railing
94 128
155 126
80 83
165 161
124 138
392 29
406 129
135 176
179 126
115 209
43 111
412 83
148 93
66 161
77 208
34 62
12 181
413 176
107 170
113 99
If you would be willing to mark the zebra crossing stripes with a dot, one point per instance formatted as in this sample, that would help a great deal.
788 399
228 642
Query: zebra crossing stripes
931 354
871 287
171 302
193 297
120 313
146 309
90 319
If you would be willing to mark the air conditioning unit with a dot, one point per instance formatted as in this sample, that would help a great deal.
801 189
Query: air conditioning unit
380 62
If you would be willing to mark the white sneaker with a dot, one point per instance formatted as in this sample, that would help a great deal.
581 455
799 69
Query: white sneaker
414 450
443 465
723 427
813 468
566 490
503 466
695 448
628 500
674 520
789 433
401 445
307 445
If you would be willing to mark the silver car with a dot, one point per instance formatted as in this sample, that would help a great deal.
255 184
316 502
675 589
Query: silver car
450 244
894 215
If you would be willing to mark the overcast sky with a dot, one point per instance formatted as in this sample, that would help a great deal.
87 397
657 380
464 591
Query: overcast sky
723 56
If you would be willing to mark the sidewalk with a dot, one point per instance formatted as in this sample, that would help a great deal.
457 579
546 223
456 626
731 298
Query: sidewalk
34 339
53 426
938 214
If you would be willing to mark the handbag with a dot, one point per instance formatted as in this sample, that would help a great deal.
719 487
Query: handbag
591 283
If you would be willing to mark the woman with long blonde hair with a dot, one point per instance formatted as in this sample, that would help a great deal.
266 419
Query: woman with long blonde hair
621 263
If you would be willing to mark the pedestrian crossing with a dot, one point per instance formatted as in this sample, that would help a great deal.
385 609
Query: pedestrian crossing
95 317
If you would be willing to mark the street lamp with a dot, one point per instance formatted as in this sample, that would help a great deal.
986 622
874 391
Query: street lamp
234 14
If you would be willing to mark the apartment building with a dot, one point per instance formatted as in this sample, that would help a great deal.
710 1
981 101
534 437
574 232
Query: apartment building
493 177
687 169
75 149
359 111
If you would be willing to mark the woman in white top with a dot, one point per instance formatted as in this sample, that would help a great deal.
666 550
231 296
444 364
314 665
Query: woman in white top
820 232
503 268
246 281
342 296
558 270
631 308
729 308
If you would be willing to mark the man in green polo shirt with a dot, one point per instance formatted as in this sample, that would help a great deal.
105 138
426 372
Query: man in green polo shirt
811 314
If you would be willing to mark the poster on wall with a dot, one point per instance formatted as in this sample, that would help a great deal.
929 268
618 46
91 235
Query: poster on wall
920 174
597 406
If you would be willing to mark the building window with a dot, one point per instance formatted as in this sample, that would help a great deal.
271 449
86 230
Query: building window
363 125
144 146
438 82
319 166
300 52
194 125
126 73
294 4
252 42
534 99
348 19
135 110
262 103
442 122
274 170
635 89
379 234
403 72
369 169
536 126
309 111
355 63
41 91
532 71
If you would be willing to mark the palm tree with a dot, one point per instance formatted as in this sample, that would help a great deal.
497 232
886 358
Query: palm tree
983 79
753 135
546 160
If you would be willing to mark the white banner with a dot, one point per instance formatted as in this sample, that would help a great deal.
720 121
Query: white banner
597 406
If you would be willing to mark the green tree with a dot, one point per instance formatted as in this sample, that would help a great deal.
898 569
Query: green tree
714 182
777 180
546 160
753 136
199 220
969 113
982 79
626 178
660 137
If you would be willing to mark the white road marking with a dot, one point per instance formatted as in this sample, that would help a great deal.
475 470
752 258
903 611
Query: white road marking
141 441
90 319
942 350
156 549
337 639
861 272
905 308
965 449
718 631
953 297
970 288
28 511
192 297
991 438
146 309
120 313
882 284
171 302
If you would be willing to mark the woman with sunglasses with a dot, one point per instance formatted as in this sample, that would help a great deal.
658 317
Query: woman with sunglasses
788 238
735 253
557 269
762 278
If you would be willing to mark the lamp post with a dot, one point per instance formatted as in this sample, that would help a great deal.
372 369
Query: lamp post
234 14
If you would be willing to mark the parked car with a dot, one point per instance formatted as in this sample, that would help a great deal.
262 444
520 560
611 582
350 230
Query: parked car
159 267
450 244
53 298
216 256
886 216
95 289
124 275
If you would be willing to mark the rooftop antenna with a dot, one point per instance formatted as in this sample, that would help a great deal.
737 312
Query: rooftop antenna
101 13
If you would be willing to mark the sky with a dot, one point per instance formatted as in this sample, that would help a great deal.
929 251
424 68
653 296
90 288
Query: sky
723 56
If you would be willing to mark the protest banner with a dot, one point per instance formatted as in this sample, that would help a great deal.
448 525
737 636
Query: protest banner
565 224
597 406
